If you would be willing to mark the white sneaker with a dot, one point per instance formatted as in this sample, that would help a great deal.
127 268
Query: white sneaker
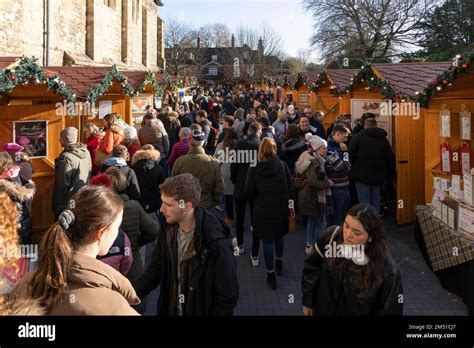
308 249
219 208
241 250
254 261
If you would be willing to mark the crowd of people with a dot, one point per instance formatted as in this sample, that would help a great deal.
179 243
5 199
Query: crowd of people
166 183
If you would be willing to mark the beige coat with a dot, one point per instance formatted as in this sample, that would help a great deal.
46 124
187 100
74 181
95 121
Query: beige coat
95 288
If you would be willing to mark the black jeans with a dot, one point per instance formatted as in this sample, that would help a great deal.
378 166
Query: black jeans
240 206
229 206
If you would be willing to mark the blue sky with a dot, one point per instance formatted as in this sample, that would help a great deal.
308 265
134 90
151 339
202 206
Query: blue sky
287 17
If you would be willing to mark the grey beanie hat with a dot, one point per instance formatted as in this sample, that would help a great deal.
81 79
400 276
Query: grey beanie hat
68 136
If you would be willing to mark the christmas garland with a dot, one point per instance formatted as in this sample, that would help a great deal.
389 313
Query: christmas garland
149 80
435 85
445 79
106 82
26 71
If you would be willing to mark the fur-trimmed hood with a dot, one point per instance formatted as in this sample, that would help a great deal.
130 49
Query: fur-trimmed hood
117 129
153 155
304 161
16 192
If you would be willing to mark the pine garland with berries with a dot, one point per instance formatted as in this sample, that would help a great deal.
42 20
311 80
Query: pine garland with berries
106 82
28 71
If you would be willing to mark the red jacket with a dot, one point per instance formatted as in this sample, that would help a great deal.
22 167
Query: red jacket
92 144
131 151
179 149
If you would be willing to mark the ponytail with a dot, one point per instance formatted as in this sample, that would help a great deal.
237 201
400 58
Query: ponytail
74 228
49 282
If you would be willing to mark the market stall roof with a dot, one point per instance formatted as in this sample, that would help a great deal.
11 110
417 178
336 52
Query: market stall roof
409 78
82 80
341 77
8 62
337 77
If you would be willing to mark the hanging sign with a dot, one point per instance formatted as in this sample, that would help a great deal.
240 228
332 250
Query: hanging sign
465 158
445 155
445 121
465 123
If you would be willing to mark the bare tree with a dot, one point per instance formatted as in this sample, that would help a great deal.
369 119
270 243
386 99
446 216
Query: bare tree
258 62
179 37
214 35
272 40
303 56
365 28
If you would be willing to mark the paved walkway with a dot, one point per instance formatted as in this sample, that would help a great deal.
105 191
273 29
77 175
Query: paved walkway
423 294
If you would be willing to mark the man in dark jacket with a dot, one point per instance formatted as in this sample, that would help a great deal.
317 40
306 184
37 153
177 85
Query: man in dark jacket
72 169
211 140
372 162
238 175
267 131
193 262
315 121
228 123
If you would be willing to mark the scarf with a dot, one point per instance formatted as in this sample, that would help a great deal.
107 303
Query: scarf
322 195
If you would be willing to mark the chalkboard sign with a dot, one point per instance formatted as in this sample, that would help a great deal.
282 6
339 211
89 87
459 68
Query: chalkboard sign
33 136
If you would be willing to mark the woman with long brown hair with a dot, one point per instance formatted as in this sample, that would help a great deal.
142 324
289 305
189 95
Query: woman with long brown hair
355 259
68 263
269 184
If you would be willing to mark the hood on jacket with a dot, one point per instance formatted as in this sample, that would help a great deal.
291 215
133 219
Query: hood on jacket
78 150
150 155
96 274
304 161
209 227
269 168
375 132
115 162
117 129
15 191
